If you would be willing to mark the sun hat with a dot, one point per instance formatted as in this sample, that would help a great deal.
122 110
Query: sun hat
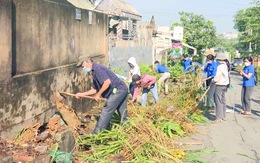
221 56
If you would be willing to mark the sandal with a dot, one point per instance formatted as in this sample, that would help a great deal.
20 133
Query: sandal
242 112
246 113
217 120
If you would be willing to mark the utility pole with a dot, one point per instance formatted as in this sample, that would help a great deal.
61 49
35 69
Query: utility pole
250 44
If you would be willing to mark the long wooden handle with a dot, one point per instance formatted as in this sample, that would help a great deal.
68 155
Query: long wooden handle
74 95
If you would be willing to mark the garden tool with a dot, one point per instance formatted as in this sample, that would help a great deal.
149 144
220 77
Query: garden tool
74 95
204 94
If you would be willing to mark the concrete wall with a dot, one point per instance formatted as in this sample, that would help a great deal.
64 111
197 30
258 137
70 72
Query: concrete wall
5 39
46 43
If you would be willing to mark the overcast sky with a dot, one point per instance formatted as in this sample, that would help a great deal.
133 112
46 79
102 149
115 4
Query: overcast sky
221 12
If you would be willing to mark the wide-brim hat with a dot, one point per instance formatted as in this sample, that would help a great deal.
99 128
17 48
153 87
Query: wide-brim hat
221 56
208 52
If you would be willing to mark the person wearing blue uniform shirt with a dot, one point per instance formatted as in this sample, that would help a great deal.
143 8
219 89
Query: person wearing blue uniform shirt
109 86
210 70
186 63
195 65
248 85
164 78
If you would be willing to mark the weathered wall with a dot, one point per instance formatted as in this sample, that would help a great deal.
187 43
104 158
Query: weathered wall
5 39
48 35
47 41
140 47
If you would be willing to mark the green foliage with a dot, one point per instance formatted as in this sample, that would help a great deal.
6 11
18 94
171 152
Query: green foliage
194 156
247 22
119 71
169 128
176 71
198 32
198 118
145 69
103 143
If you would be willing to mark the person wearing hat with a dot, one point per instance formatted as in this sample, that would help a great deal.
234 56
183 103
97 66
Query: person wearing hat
148 83
210 69
109 86
164 78
221 81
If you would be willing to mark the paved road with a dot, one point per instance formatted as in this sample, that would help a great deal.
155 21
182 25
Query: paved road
237 140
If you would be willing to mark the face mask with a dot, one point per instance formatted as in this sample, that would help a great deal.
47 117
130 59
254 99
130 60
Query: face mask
247 64
86 69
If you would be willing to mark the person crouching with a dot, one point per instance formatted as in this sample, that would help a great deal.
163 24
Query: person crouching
148 83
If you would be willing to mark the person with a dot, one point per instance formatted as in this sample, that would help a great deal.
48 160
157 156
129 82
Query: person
109 86
186 63
210 70
148 83
134 69
248 85
164 78
221 81
195 64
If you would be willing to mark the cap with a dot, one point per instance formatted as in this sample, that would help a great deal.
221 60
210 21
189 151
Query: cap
135 78
221 56
81 60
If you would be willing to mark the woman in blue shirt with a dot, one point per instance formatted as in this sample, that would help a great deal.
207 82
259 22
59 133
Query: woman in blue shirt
248 85
210 69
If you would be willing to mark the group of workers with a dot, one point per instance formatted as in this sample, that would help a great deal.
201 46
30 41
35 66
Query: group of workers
217 81
107 84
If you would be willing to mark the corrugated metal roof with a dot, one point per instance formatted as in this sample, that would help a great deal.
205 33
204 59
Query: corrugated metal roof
118 8
83 4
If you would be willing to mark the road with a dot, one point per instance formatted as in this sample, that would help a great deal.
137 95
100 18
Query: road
236 140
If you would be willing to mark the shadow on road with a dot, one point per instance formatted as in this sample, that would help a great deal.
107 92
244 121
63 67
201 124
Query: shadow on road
255 112
256 101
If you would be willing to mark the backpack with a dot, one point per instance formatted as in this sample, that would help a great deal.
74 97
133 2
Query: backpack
255 77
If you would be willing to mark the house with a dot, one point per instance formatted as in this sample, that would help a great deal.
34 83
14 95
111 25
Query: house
123 18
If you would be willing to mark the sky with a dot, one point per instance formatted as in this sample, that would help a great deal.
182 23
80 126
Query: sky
221 12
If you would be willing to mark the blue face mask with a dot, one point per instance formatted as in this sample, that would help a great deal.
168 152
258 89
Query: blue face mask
86 69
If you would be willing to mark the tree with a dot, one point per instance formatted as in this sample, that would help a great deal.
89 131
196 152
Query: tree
198 32
247 22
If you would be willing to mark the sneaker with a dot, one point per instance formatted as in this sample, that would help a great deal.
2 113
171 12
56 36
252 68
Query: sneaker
229 111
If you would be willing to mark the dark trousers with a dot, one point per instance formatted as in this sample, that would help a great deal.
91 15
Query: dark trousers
210 95
220 101
116 101
246 93
131 88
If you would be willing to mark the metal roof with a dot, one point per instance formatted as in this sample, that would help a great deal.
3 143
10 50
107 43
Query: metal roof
118 8
83 4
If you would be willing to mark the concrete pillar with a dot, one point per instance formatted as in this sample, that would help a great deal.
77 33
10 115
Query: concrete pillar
5 39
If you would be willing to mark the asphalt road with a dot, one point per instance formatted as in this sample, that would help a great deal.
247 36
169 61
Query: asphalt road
236 140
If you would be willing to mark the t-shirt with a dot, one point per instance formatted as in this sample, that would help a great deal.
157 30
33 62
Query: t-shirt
100 73
211 69
144 82
186 64
249 82
161 69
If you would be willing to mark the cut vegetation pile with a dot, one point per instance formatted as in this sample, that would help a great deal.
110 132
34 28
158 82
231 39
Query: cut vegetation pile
151 134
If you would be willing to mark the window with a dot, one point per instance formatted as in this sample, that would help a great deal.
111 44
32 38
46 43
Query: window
78 14
90 17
